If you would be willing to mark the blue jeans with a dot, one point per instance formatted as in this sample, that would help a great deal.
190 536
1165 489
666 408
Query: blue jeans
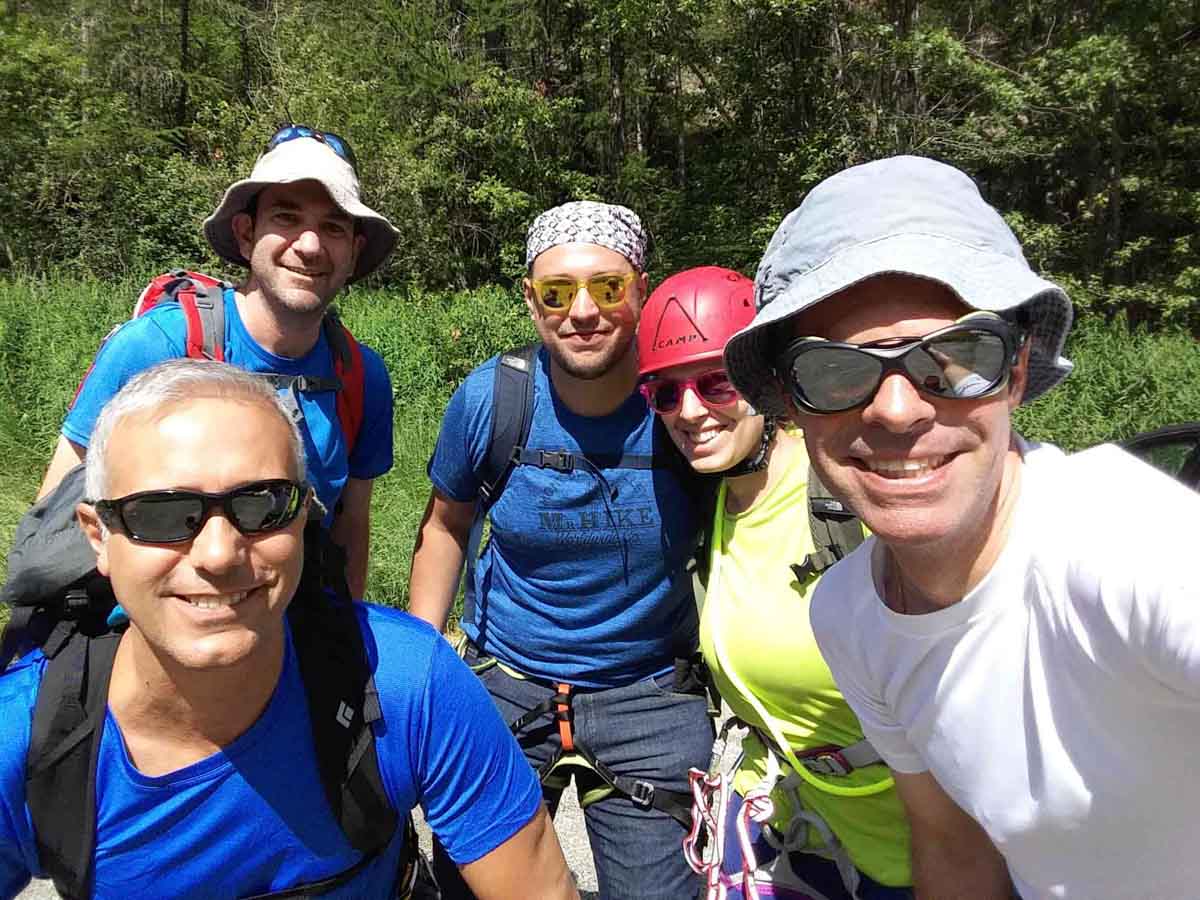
645 730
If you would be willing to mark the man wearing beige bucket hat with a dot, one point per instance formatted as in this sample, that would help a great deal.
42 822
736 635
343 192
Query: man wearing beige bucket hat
1024 658
299 228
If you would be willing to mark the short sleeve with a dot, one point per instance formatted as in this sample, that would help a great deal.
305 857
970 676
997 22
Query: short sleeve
372 454
462 441
1144 578
476 788
132 348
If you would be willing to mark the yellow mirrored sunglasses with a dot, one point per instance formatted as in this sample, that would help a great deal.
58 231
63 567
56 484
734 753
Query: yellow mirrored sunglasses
607 291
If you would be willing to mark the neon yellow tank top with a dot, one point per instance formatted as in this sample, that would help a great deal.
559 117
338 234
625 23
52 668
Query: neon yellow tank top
767 648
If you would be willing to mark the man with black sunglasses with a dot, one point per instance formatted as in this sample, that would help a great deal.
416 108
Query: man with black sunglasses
1024 657
208 775
297 224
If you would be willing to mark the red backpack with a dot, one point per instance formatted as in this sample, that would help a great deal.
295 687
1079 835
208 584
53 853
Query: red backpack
201 297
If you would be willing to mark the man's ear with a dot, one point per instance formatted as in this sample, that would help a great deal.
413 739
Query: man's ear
360 241
243 231
94 531
1019 377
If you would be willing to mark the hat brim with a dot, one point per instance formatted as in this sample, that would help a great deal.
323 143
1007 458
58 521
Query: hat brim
982 279
294 163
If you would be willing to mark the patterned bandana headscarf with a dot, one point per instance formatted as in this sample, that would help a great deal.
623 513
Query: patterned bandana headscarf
587 222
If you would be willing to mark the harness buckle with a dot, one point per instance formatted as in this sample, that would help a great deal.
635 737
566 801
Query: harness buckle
642 794
559 460
827 762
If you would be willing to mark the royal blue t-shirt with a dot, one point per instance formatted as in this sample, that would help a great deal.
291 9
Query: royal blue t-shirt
575 586
253 818
160 335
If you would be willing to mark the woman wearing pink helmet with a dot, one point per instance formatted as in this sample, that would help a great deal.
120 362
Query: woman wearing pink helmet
810 810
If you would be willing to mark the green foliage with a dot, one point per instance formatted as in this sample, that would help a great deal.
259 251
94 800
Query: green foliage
712 118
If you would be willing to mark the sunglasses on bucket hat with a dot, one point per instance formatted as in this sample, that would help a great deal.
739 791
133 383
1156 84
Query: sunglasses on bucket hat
665 395
556 293
964 361
334 142
174 516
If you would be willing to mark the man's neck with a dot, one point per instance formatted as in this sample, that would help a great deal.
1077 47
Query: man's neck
275 329
924 578
172 717
595 397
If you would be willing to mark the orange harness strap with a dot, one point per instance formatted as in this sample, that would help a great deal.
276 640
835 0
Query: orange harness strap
562 712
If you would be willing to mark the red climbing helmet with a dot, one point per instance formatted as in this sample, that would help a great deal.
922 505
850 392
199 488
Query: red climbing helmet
691 316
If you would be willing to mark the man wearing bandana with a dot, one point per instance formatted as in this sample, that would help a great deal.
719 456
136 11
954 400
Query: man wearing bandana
582 622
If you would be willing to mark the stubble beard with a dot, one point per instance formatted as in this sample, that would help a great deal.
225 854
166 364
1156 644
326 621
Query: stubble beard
595 367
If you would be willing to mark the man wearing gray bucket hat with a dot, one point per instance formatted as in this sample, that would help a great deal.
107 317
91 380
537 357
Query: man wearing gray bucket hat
299 228
1027 663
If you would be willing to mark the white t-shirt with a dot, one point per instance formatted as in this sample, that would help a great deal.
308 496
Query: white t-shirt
1059 702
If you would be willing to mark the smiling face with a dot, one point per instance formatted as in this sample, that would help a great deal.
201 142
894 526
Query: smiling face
711 438
584 340
218 599
301 246
917 469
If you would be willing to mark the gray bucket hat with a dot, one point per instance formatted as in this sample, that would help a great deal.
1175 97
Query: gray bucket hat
905 215
302 159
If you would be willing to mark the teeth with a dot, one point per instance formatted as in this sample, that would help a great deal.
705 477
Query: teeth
705 436
904 468
217 602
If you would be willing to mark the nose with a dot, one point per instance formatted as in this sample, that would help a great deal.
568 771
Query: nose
898 406
583 306
691 407
219 547
307 242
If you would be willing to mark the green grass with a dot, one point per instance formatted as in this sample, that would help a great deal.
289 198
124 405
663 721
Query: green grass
1124 382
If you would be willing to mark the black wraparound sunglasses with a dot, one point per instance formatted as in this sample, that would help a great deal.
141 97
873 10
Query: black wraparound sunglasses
174 516
964 361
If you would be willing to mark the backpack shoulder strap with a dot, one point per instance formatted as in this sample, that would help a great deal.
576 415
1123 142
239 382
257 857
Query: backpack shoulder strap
836 531
512 417
349 368
60 772
209 303
202 299
343 701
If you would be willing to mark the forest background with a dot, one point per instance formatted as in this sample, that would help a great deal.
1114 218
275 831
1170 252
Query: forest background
123 120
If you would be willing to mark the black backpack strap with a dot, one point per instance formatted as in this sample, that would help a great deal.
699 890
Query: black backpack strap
342 698
60 774
512 416
836 531
336 337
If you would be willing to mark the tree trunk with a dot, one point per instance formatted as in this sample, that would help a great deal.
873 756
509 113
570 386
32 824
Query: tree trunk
185 10
616 100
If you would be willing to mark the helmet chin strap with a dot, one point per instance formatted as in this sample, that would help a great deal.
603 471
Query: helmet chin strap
757 461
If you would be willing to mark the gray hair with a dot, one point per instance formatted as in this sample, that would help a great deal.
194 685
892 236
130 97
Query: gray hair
177 381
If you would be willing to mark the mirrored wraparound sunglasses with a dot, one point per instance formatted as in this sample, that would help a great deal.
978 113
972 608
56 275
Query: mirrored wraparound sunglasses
665 395
334 142
963 361
174 516
607 291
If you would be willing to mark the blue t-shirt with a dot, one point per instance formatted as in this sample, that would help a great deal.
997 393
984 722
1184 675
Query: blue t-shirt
575 585
160 335
253 818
